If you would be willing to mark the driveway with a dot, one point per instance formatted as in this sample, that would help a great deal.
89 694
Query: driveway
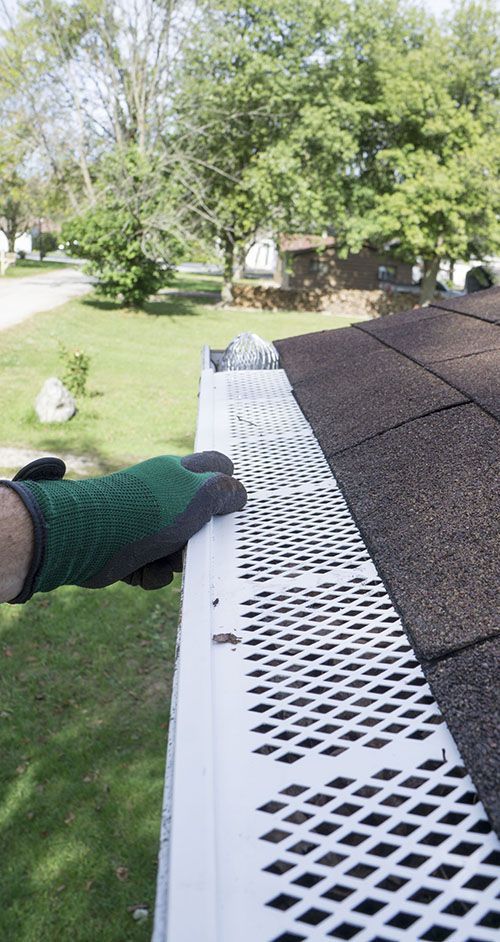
22 297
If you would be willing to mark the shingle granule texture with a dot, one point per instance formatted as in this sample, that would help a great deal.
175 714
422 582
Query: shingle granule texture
408 417
427 498
312 354
467 687
482 304
477 375
445 336
389 391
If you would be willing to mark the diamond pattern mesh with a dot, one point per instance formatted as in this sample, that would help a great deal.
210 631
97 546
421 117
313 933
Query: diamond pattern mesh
332 668
404 852
369 858
342 810
291 535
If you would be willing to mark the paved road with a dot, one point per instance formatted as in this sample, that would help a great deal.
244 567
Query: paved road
22 297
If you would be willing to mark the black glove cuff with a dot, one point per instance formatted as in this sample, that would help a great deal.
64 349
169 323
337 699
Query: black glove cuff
39 540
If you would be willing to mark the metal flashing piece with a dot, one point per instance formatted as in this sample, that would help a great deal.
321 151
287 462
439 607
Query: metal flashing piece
313 790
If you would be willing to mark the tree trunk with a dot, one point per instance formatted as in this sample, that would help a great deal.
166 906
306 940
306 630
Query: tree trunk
228 275
281 274
239 263
10 231
82 147
431 268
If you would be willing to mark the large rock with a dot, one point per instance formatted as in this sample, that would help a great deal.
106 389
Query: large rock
54 402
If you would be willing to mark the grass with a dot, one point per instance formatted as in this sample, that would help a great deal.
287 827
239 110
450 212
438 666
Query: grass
85 676
83 713
183 281
25 267
143 375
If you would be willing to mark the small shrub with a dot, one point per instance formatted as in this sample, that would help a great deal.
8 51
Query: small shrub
125 244
76 368
45 242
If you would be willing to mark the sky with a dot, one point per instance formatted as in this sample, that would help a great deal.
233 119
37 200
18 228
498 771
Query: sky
437 6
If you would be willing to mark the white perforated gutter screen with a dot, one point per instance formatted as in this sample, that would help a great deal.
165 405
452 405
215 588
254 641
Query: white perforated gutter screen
313 790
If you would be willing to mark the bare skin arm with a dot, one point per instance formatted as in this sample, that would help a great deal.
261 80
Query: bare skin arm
16 544
129 526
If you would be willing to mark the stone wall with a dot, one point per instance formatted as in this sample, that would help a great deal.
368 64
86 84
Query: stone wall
346 302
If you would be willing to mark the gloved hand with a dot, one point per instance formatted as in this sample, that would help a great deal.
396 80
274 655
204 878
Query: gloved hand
131 525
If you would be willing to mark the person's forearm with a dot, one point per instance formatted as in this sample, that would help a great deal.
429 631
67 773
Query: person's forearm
16 544
130 526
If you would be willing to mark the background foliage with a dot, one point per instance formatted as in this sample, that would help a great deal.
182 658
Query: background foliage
166 127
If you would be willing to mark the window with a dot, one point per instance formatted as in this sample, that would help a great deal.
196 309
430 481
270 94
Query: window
318 265
387 273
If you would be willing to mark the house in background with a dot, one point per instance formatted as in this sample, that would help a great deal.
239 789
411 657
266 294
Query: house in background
305 261
262 258
313 262
308 261
23 242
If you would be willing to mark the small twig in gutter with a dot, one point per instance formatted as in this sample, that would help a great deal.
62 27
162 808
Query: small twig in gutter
240 417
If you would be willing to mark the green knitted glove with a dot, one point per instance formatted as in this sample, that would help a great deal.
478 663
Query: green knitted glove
131 525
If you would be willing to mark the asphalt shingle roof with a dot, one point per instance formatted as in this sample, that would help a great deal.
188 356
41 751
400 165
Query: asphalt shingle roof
389 389
443 335
406 409
467 686
482 304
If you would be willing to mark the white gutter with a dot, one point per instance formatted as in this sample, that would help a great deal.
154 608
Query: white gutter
312 791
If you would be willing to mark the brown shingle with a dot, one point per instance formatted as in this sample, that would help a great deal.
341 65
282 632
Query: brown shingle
427 501
388 390
466 685
424 488
439 336
482 304
477 377
306 356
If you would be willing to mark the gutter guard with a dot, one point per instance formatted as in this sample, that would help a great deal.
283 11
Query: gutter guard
313 790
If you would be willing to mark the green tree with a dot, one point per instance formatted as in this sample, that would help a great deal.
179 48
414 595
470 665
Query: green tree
425 179
126 236
80 78
15 208
83 82
249 73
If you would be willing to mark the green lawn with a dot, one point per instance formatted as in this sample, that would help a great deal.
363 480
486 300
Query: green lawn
27 266
85 676
184 281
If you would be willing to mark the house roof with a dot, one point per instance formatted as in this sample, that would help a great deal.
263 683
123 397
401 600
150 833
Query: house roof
305 243
407 411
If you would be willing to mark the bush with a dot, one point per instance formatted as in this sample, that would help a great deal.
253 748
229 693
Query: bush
76 368
45 242
120 236
111 243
